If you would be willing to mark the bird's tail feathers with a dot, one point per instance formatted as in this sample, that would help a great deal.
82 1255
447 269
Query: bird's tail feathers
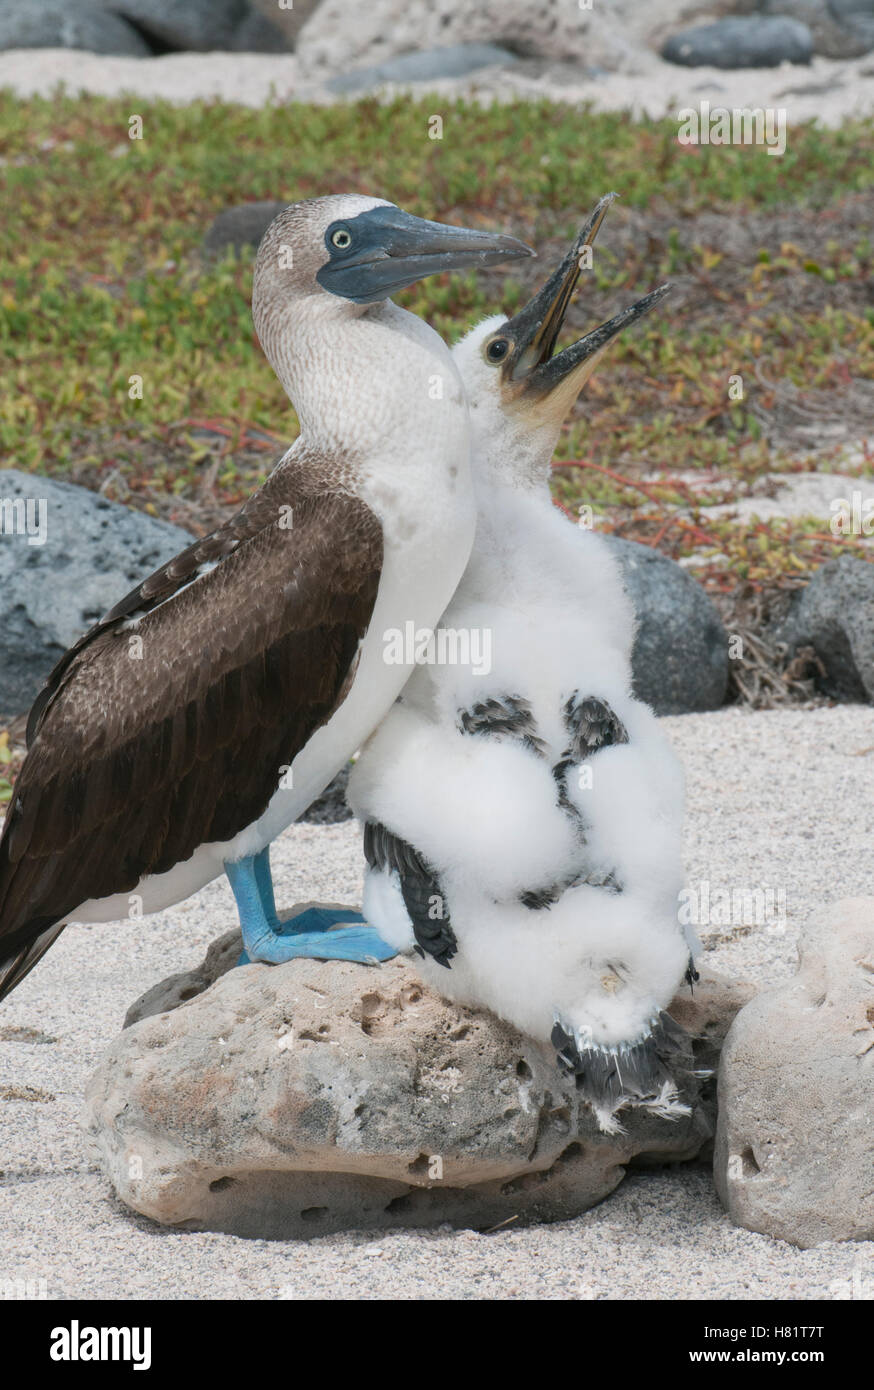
14 968
653 1072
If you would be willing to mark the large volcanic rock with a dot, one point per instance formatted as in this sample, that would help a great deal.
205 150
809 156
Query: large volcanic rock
795 1144
310 1097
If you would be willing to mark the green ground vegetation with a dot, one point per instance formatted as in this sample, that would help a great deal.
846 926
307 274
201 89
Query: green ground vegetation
103 278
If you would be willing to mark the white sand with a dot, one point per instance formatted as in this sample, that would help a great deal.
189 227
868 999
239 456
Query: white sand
828 91
780 799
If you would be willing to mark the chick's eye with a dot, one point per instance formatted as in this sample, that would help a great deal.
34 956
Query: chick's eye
341 238
497 349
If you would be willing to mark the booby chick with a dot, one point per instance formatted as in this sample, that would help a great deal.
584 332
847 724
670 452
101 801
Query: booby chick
523 820
204 713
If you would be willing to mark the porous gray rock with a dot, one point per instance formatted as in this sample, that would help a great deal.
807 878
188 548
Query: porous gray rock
794 1153
741 41
221 956
680 657
834 614
70 24
311 1097
240 226
67 555
707 1011
200 25
454 61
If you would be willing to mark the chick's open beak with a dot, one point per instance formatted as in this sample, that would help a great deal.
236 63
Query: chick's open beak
534 330
530 371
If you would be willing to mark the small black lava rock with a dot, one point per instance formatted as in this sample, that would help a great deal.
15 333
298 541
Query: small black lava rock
69 24
834 614
680 657
240 226
330 808
747 41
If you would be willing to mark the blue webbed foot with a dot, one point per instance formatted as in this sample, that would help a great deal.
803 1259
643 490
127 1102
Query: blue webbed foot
361 944
316 919
317 933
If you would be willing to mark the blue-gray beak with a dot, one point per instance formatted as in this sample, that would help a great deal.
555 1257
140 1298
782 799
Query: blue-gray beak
379 252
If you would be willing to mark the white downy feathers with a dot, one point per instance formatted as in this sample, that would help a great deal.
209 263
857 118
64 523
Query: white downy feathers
538 781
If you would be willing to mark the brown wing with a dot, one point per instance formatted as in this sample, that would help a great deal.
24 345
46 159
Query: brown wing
154 738
288 484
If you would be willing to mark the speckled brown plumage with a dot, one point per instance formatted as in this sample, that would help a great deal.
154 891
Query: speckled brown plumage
134 763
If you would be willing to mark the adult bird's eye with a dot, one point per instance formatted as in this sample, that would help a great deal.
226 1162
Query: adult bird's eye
497 349
341 239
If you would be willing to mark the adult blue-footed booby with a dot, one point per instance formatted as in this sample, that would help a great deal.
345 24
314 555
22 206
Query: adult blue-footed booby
204 713
523 825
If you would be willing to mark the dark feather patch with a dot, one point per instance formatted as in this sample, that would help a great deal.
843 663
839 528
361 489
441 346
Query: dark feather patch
545 897
592 725
604 1076
507 717
537 898
420 889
